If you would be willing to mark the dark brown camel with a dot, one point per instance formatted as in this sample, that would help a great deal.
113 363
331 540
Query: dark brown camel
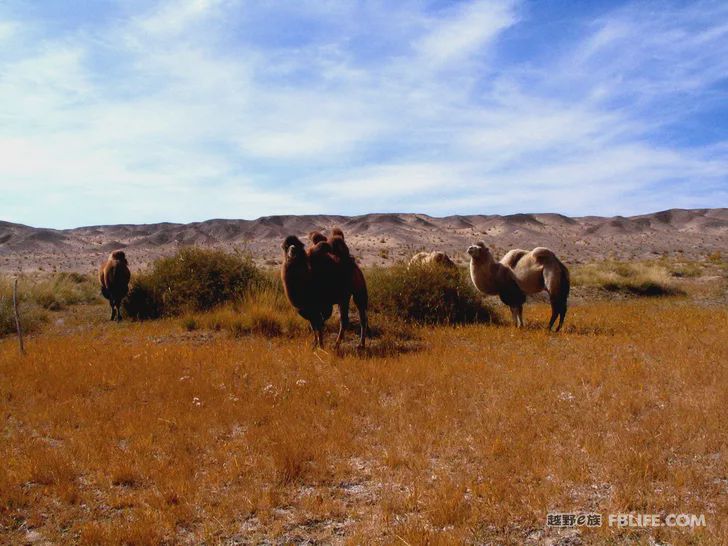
337 279
114 277
324 275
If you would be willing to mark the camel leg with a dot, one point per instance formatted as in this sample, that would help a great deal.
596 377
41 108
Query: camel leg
317 327
554 315
514 314
363 326
118 312
343 320
361 299
318 336
558 310
521 324
562 316
113 310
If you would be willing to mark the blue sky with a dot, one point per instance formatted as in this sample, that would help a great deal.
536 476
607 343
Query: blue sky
138 111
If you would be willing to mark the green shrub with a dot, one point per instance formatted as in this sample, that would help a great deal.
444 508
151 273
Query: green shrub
194 279
144 299
427 294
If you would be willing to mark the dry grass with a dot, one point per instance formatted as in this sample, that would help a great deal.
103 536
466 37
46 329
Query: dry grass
144 433
638 278
61 290
34 316
266 312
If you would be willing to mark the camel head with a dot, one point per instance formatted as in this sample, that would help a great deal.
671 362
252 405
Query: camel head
479 251
293 248
118 255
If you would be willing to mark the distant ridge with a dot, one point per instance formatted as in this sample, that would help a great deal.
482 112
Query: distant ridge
377 237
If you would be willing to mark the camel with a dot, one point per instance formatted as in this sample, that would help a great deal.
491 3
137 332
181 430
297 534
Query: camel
539 270
114 277
338 278
493 278
324 275
298 284
434 257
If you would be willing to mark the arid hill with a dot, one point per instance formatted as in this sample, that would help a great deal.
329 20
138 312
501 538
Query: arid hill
376 238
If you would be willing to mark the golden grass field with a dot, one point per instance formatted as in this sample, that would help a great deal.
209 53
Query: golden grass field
175 432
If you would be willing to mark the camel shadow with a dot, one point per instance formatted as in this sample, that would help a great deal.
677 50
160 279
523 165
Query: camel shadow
395 339
571 329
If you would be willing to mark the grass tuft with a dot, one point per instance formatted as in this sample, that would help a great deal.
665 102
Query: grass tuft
635 279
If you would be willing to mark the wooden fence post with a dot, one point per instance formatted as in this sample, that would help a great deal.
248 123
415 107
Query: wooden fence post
17 317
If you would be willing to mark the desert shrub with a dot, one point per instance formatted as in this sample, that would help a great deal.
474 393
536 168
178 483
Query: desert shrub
31 315
427 294
190 323
263 310
715 258
687 270
194 279
64 289
637 279
144 299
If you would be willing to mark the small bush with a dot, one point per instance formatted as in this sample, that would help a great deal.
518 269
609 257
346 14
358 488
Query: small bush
31 315
64 289
265 322
686 270
636 279
194 279
143 301
715 258
190 324
427 294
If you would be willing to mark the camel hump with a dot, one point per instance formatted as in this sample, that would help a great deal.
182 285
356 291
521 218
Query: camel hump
543 255
320 249
316 237
512 257
338 245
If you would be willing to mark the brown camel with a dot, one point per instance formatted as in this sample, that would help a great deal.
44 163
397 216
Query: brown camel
114 277
298 284
338 278
322 276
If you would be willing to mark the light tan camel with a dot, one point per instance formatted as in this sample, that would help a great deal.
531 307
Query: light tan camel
434 257
493 278
540 270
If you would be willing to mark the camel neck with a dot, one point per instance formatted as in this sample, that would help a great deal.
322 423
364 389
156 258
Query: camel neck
484 275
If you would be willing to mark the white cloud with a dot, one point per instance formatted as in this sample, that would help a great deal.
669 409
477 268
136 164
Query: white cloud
466 31
171 18
164 117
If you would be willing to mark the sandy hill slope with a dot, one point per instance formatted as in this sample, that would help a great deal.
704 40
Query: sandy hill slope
376 238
